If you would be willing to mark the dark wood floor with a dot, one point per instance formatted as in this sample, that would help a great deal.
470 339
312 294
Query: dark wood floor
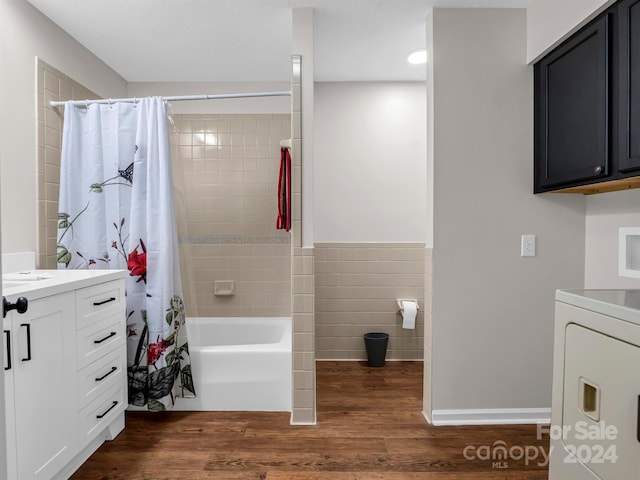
370 427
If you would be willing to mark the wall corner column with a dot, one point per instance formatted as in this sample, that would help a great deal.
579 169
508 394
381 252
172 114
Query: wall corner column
303 411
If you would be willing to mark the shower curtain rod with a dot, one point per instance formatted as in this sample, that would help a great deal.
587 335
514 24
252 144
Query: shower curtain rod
178 98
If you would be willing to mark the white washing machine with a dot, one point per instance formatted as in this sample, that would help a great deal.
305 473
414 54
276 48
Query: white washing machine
595 412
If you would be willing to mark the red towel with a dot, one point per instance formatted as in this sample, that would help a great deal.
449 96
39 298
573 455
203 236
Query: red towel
284 191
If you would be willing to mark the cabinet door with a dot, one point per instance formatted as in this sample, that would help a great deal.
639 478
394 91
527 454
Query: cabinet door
45 386
572 123
629 100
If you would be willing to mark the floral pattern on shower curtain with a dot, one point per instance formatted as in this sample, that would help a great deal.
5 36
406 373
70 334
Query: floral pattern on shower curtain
117 211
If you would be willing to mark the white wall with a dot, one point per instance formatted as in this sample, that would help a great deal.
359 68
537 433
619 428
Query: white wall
606 213
492 309
25 34
551 21
370 162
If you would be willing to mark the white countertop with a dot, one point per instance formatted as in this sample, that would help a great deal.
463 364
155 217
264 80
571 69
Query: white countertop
623 304
36 284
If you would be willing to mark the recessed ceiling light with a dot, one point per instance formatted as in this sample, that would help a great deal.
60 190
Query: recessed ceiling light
418 57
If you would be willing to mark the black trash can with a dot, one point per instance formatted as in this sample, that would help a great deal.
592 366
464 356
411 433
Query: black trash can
376 345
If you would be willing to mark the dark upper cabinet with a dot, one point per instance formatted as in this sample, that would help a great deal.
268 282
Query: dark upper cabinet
629 91
587 107
573 109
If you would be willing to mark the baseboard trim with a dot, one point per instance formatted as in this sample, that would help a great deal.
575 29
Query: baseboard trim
491 416
299 423
302 424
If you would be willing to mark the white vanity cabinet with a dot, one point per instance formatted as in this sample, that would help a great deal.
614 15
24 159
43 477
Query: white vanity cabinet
595 424
41 375
64 372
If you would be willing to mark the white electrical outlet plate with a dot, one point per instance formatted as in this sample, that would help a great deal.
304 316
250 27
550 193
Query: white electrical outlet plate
528 246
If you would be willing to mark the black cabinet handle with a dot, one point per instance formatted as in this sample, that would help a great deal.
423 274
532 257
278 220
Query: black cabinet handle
21 305
8 334
112 334
113 369
638 420
113 405
28 325
112 299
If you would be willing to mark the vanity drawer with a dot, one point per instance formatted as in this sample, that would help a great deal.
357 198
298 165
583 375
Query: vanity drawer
97 340
100 376
101 413
98 302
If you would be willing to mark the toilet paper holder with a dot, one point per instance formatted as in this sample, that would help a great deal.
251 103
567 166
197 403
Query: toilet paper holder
400 306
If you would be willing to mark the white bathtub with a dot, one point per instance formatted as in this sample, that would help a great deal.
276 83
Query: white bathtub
240 363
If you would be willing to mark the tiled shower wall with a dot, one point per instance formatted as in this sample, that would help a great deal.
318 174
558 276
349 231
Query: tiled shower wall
226 175
226 169
52 85
357 285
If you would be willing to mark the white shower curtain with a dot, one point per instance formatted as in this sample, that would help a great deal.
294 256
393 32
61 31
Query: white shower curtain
117 211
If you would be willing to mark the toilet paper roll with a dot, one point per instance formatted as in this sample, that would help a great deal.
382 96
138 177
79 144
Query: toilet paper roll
409 312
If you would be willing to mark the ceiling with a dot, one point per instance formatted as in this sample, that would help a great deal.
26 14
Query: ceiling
250 40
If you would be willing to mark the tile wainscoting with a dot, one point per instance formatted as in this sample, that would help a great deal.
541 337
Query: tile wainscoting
356 286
